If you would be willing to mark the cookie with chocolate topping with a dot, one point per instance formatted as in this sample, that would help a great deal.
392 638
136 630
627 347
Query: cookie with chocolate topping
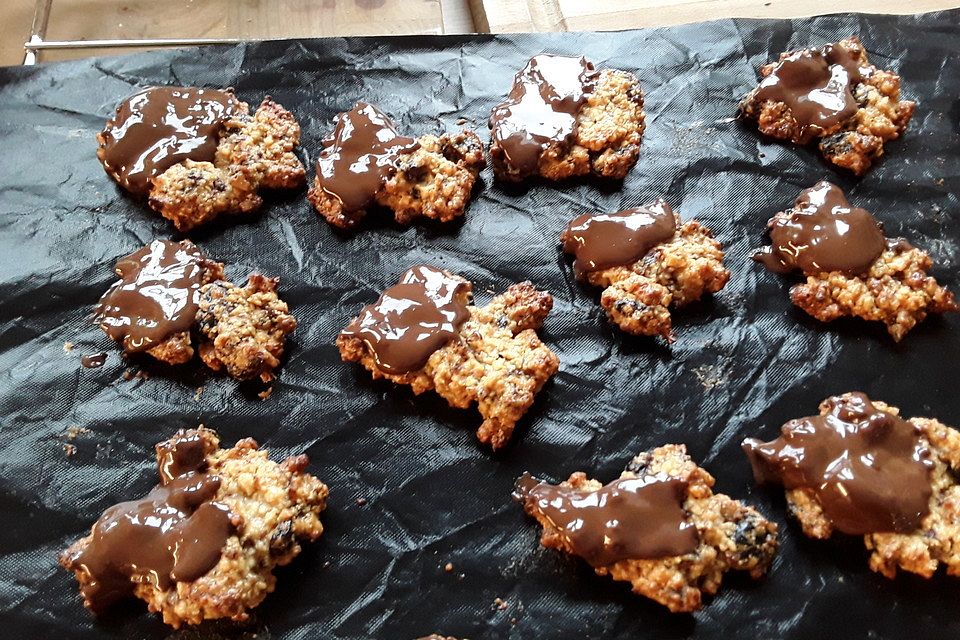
203 543
659 527
859 468
834 96
424 332
564 118
195 154
366 162
851 269
171 297
648 263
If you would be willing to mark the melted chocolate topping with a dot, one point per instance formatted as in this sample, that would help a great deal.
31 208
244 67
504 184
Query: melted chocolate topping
156 297
869 468
159 127
412 319
823 233
816 85
603 240
361 155
174 534
630 518
541 108
94 360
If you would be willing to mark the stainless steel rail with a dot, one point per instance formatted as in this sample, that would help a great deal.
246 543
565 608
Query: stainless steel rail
41 18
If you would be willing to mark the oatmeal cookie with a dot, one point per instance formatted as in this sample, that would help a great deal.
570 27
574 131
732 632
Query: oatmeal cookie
862 109
928 535
235 512
857 272
170 291
490 355
366 162
593 123
211 159
716 533
647 262
244 327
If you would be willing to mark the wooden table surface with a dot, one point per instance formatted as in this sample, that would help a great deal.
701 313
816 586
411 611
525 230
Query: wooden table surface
262 19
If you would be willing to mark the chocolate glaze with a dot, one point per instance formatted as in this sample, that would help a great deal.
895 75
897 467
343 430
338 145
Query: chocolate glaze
159 127
630 518
868 468
94 360
412 319
174 534
156 297
816 85
360 155
823 233
603 240
541 108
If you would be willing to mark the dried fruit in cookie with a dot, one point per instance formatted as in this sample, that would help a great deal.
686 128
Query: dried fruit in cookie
563 118
861 469
203 543
831 94
424 332
851 269
647 262
366 162
659 527
197 153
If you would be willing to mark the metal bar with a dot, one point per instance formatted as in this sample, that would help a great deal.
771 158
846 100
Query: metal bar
38 30
108 44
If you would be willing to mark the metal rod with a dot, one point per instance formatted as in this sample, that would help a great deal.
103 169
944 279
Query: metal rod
96 44
41 18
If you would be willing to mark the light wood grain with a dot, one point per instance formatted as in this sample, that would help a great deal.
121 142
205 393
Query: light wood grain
505 16
248 19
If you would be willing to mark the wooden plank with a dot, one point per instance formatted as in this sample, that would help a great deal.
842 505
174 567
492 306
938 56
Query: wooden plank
505 16
249 19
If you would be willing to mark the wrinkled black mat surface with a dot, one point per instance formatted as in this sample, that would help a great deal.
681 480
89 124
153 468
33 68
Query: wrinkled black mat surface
742 364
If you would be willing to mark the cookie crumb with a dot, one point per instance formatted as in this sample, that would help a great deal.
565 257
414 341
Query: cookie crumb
361 502
448 567
68 346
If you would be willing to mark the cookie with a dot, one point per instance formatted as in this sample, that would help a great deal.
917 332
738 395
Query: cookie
659 527
423 332
171 297
195 154
564 118
859 468
851 269
366 162
834 96
648 263
203 543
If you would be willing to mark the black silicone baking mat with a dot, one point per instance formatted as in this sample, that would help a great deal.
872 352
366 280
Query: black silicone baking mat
743 362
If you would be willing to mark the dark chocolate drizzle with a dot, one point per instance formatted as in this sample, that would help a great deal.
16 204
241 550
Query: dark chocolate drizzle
821 234
603 240
541 108
869 468
412 319
159 127
360 156
817 86
156 297
174 534
629 518
94 360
